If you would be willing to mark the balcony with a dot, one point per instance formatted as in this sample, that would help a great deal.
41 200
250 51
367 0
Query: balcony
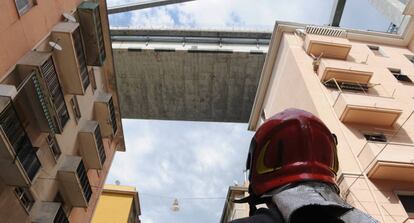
48 212
91 145
367 110
19 163
331 47
47 87
391 161
71 62
74 182
343 71
104 112
91 29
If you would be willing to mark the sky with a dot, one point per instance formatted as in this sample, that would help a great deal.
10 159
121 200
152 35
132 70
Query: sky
196 162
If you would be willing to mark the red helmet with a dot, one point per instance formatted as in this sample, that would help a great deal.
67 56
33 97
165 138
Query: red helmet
291 146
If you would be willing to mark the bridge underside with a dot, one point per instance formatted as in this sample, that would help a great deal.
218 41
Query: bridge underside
187 86
187 81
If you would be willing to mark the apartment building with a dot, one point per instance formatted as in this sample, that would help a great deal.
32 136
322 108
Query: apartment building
59 113
118 204
233 210
360 84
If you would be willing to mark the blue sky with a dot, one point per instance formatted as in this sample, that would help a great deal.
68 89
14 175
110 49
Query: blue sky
172 159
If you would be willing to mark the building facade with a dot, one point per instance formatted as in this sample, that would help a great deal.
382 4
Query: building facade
118 204
233 210
59 114
360 84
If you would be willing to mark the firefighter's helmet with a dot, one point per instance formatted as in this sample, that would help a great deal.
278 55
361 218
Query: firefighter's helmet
290 147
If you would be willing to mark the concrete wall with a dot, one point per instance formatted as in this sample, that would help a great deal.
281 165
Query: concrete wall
294 84
19 35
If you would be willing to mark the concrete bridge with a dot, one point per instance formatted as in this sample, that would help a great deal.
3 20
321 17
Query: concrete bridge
193 75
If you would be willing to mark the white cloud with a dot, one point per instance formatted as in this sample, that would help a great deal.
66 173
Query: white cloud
237 14
186 159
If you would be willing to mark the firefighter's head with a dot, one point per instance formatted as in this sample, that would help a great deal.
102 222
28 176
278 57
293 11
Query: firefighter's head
290 147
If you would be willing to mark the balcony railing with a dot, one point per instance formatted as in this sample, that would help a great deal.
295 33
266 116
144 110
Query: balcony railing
91 145
344 71
391 161
329 46
76 185
19 160
367 110
104 113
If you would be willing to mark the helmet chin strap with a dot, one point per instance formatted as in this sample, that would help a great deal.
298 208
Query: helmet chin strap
253 200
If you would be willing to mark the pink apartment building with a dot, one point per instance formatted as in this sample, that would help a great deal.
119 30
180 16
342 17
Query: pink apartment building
360 84
59 113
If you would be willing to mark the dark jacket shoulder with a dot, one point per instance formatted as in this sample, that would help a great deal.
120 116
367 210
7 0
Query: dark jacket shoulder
262 215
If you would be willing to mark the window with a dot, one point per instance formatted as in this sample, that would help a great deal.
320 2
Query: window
377 137
53 146
80 55
75 108
410 58
25 197
92 78
408 203
101 149
376 50
23 5
49 74
112 114
347 86
20 141
399 75
84 181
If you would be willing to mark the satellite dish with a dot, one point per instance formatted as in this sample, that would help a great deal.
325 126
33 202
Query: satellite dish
69 17
55 46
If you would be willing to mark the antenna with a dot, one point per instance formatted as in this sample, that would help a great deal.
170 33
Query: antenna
55 46
69 17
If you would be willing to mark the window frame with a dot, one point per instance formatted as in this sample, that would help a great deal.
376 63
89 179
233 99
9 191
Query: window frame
381 137
397 73
347 86
409 58
52 142
405 193
75 108
29 196
377 50
25 9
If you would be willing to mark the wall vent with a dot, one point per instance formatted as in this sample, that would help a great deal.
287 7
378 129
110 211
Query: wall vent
325 31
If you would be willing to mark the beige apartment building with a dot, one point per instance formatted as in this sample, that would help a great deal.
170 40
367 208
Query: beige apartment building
233 210
360 84
59 114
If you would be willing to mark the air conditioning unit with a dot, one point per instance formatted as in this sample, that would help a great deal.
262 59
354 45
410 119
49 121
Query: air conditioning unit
47 86
74 182
91 145
48 212
71 60
19 163
104 112
91 28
